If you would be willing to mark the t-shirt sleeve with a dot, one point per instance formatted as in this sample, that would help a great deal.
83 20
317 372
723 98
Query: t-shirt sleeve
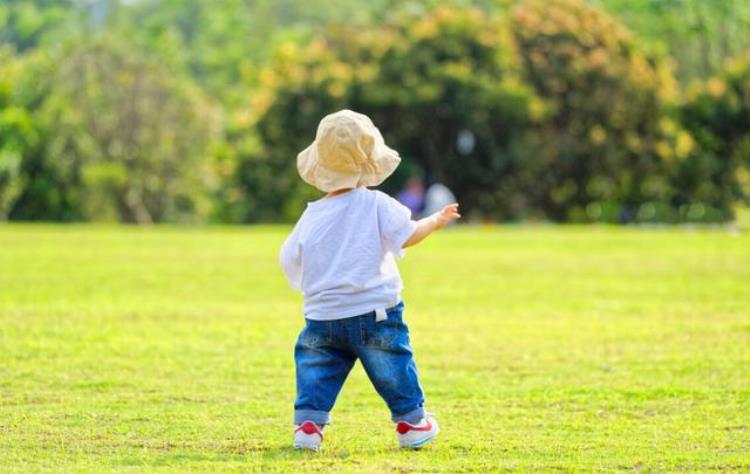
290 260
396 225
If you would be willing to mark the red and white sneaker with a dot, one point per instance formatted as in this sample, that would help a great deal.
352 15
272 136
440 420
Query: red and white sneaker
308 436
416 436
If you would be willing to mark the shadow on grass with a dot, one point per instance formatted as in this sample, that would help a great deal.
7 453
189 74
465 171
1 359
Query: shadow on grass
171 454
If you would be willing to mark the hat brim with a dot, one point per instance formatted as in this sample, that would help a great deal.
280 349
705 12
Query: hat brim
384 162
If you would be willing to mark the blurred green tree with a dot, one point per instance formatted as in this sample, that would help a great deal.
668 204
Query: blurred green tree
717 174
604 149
525 108
425 83
699 34
17 134
30 189
25 24
133 141
223 43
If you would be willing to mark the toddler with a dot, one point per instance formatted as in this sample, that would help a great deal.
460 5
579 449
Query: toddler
341 255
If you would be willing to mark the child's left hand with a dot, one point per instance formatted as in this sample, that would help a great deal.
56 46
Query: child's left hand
447 215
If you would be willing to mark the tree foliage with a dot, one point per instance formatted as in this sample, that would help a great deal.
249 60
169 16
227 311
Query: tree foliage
717 114
29 190
17 135
425 83
608 138
25 24
699 34
133 138
525 108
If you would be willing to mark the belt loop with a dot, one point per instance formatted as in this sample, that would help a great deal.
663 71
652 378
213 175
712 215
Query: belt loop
380 315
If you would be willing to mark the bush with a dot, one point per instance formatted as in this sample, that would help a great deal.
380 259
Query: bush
16 137
550 110
129 140
28 189
427 84
608 135
717 113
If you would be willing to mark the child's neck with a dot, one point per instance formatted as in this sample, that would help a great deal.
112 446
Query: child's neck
339 191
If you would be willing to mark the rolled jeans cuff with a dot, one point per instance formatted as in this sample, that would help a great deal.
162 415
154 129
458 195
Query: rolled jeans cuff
316 416
412 417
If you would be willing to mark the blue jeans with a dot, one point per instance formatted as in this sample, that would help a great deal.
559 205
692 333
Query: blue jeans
326 351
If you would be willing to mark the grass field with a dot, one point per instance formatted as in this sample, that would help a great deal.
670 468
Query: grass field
540 348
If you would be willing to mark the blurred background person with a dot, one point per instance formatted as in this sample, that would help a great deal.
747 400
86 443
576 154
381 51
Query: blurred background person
412 196
437 196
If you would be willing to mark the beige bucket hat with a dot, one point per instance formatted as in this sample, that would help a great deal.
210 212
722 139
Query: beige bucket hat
348 151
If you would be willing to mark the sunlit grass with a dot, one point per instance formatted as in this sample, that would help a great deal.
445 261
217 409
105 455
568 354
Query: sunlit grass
575 348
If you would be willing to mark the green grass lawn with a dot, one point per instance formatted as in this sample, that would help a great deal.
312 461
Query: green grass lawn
540 348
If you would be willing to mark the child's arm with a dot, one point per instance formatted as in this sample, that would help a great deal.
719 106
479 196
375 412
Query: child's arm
430 224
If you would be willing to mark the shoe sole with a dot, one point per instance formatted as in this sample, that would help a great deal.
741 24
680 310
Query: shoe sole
307 447
419 443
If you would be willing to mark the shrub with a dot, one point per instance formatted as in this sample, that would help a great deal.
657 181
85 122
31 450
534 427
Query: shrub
443 89
717 174
130 139
608 135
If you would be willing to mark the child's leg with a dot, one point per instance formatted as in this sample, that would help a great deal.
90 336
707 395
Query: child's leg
321 371
388 360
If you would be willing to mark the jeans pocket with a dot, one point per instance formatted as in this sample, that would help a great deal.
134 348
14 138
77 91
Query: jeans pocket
386 334
315 333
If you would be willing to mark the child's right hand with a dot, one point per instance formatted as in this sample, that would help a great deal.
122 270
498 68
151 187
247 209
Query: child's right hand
432 223
445 216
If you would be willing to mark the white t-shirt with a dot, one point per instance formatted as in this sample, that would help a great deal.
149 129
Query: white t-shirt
341 254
